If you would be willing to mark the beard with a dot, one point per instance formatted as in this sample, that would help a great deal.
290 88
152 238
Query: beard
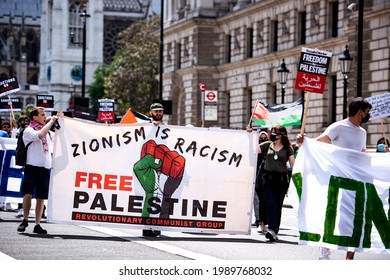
157 118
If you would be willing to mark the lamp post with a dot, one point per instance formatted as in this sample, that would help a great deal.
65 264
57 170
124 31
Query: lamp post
345 61
283 75
72 89
161 51
84 17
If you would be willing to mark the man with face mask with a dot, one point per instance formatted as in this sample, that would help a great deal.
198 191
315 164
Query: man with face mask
346 133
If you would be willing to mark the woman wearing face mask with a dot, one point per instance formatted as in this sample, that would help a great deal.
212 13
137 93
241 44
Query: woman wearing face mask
258 200
274 179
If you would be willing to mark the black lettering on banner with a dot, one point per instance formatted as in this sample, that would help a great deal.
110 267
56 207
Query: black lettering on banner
106 142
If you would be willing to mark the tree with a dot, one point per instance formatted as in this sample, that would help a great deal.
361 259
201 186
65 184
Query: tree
132 76
96 89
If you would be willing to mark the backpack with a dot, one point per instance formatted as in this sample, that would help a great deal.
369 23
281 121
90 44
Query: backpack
21 150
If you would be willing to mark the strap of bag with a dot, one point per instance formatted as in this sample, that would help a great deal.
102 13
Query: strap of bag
263 160
266 152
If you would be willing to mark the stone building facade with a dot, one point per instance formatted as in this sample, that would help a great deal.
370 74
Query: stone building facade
61 60
236 47
20 45
35 44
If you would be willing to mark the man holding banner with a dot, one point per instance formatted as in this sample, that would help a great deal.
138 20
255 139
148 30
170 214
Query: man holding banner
37 170
349 134
157 113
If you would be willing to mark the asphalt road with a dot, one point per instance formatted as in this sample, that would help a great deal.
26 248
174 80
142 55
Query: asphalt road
69 242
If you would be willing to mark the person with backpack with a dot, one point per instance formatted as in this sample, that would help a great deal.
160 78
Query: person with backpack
38 165
23 122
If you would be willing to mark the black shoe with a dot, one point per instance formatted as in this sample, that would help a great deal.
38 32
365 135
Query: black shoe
256 224
38 229
23 225
151 233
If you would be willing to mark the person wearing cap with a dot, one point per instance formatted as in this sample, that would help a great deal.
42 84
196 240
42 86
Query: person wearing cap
157 113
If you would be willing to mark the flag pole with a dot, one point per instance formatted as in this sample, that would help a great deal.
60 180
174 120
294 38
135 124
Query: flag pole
305 113
384 134
250 120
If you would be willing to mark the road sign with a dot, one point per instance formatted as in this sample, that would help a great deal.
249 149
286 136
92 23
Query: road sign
202 86
211 96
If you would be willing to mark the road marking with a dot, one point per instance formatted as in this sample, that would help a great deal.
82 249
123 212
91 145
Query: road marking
4 257
153 244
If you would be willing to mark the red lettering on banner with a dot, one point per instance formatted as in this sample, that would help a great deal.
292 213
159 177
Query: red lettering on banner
106 181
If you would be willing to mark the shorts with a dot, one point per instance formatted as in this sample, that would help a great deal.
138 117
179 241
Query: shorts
36 181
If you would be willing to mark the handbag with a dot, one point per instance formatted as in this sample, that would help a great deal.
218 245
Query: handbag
260 170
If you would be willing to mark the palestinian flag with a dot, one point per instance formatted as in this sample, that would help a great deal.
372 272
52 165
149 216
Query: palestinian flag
132 116
270 115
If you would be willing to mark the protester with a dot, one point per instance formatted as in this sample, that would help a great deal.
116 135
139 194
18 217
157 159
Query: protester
274 179
259 202
157 113
382 146
346 133
23 122
6 126
37 170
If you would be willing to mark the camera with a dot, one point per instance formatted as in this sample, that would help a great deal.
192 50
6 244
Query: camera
56 125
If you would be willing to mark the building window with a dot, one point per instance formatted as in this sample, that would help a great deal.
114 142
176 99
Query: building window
50 25
274 36
228 48
272 94
248 105
249 43
75 23
332 99
178 56
301 28
333 19
32 47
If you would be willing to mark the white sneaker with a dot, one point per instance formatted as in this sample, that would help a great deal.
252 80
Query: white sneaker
324 253
20 213
271 235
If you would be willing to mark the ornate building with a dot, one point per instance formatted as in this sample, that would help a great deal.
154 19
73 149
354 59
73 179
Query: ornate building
36 44
20 45
62 56
236 47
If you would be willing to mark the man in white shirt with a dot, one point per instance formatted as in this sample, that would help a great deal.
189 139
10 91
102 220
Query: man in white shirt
349 134
37 170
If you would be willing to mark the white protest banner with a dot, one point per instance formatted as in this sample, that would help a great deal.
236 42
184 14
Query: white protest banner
380 105
343 197
146 176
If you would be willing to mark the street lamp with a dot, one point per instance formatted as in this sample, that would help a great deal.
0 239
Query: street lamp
345 62
283 75
84 16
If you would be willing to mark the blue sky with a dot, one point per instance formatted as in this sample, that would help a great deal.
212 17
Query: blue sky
156 6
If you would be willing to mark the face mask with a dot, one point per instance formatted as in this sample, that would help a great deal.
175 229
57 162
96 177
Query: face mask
381 148
273 137
366 118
